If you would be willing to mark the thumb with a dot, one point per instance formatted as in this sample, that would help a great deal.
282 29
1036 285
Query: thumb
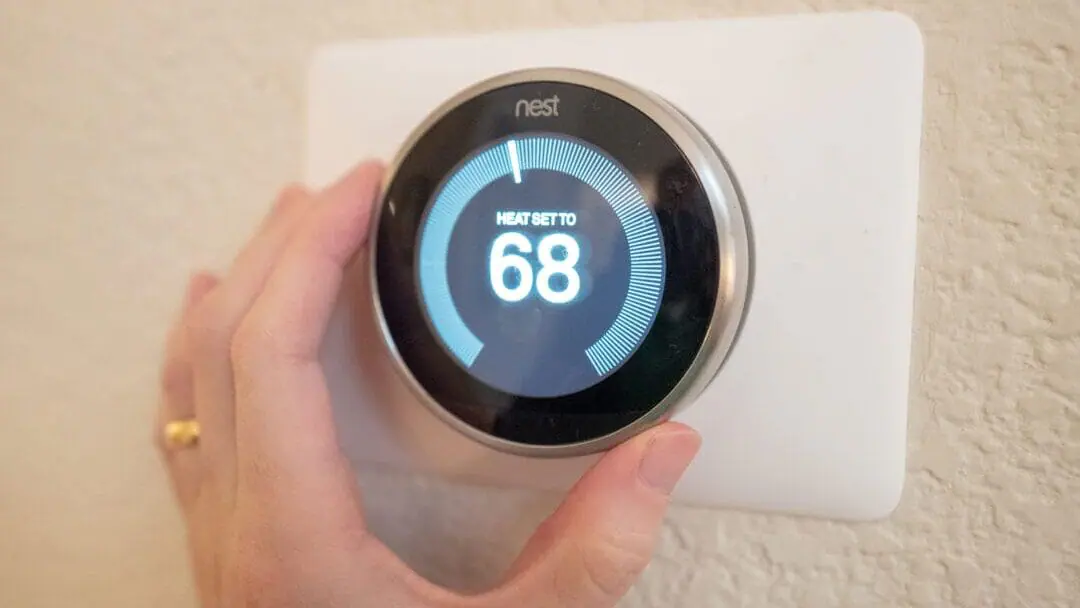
595 546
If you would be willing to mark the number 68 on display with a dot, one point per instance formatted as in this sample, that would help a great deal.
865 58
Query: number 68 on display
502 259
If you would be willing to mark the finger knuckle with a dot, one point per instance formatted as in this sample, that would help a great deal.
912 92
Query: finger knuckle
253 337
609 563
258 346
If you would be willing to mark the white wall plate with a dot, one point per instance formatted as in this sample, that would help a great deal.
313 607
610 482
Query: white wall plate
820 117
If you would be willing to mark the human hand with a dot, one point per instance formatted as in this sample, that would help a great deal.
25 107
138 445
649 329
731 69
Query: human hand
272 508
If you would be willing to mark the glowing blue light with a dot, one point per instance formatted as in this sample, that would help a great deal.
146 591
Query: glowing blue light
587 164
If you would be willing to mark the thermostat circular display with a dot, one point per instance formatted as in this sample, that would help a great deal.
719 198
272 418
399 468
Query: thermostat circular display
560 260
540 245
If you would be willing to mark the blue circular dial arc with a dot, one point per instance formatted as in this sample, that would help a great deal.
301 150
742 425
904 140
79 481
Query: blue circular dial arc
514 158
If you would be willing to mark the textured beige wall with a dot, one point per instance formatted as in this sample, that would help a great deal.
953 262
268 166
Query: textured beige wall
139 137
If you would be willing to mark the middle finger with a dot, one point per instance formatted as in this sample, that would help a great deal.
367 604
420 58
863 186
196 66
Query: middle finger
215 322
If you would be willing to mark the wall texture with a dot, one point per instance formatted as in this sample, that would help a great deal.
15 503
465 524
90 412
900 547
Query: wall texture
124 120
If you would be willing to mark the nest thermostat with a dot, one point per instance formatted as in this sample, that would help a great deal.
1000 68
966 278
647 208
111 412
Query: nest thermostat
708 221
560 259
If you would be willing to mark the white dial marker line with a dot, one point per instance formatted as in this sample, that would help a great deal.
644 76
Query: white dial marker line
511 147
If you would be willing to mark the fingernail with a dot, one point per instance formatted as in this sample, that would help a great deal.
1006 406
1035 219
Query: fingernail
197 286
667 457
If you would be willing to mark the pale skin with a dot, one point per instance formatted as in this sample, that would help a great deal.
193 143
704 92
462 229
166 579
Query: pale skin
273 510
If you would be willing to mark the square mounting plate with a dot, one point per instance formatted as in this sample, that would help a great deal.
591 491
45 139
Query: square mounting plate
820 117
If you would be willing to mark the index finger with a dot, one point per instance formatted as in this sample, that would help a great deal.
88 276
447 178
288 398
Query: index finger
295 305
283 413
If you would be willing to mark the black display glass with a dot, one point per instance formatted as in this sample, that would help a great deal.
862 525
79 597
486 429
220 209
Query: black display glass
547 277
